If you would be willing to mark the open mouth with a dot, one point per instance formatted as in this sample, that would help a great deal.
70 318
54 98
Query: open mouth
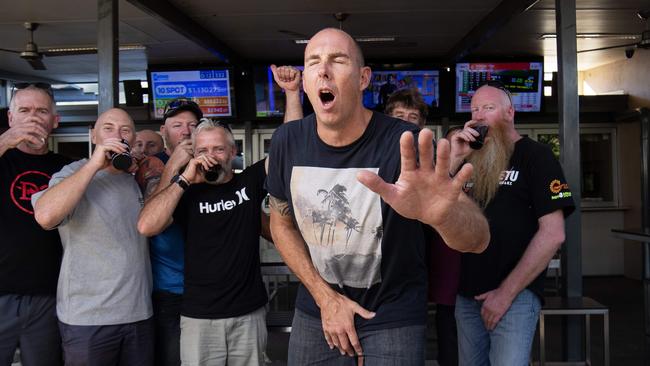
326 97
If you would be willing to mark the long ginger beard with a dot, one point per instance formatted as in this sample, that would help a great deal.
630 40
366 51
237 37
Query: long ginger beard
489 162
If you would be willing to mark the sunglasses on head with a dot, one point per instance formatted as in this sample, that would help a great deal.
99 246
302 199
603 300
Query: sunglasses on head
219 123
499 85
177 103
42 86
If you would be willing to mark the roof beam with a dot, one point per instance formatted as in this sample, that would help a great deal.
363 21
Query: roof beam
485 29
13 76
174 18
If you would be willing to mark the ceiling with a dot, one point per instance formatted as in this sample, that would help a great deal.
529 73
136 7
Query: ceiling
263 31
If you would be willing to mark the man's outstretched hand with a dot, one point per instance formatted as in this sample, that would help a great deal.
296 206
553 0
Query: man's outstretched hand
424 191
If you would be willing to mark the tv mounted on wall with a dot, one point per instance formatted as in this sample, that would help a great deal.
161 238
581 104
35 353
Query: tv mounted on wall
210 88
385 82
524 81
269 97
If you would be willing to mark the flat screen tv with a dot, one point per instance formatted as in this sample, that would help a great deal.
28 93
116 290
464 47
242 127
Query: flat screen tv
269 97
210 88
523 80
385 82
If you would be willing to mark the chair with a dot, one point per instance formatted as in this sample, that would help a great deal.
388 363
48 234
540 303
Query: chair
276 276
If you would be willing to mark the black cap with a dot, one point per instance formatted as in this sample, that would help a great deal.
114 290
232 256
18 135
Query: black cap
177 106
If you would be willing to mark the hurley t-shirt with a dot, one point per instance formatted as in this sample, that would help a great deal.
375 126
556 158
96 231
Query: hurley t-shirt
30 257
533 186
359 244
222 225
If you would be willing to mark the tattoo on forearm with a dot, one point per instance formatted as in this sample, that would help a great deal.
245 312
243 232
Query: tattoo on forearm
282 207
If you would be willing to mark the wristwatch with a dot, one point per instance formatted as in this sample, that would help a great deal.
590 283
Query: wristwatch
180 180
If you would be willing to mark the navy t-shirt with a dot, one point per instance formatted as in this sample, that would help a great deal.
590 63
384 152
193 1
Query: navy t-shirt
358 244
222 225
532 187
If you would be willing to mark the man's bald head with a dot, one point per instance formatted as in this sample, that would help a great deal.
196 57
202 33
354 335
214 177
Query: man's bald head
357 54
114 123
114 114
148 142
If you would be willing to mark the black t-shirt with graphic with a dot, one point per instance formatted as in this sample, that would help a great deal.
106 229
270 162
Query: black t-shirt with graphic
30 257
358 243
532 187
222 226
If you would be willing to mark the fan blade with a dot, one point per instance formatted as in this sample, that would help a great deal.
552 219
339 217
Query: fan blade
70 52
37 64
6 50
608 48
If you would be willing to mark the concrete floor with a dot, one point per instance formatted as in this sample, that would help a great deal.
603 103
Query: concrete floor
623 296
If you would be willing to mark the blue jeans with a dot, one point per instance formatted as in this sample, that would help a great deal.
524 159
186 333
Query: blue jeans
167 325
508 344
395 346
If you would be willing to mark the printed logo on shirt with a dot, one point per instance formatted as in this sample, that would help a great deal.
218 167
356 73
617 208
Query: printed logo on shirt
227 205
508 177
556 186
340 220
561 195
24 186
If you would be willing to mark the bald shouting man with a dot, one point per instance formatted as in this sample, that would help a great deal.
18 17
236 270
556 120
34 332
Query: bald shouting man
104 290
350 208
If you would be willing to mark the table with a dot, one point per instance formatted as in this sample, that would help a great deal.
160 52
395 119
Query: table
584 306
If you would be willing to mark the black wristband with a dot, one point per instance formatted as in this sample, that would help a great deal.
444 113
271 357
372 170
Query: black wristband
180 180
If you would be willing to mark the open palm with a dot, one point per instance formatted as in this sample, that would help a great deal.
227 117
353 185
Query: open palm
423 191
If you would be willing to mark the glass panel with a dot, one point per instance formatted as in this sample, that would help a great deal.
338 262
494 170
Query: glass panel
552 140
596 164
267 147
238 163
597 171
74 150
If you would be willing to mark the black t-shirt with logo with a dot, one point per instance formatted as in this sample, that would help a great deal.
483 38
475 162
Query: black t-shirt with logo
358 243
533 186
222 225
30 257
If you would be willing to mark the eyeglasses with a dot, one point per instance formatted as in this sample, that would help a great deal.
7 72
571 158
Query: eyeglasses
499 85
42 86
177 103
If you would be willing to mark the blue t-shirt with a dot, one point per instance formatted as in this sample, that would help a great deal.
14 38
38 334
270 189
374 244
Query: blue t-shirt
358 244
166 251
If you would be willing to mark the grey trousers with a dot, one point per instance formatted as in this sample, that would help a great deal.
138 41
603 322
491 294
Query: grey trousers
29 323
238 341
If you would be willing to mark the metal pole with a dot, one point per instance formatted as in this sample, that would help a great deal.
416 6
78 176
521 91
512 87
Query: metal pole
107 54
645 220
568 108
249 159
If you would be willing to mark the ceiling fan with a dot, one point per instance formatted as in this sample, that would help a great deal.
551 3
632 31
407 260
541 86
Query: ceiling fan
643 43
301 38
34 57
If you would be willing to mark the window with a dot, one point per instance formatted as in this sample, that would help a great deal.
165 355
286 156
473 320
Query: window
598 163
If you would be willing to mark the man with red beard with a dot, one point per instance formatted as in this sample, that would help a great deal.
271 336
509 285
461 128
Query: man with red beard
522 190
